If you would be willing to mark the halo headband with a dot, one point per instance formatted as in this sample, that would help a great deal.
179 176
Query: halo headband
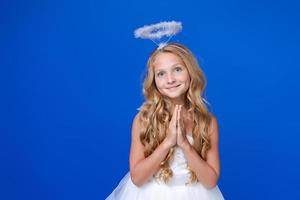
158 31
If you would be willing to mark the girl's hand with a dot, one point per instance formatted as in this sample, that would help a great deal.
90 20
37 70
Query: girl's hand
181 135
171 138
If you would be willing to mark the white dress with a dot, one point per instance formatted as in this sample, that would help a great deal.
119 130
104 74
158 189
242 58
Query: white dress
175 189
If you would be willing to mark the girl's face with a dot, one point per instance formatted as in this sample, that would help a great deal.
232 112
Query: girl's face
171 76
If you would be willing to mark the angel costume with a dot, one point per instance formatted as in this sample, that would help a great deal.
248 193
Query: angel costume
175 189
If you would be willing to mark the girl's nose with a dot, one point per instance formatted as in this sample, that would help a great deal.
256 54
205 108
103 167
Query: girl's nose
170 79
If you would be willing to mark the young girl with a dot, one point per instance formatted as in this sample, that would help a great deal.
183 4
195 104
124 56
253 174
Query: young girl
174 151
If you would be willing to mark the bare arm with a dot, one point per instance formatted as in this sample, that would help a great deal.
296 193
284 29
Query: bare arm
208 171
141 168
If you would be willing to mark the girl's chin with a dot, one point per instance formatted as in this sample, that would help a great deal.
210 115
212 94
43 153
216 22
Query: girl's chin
173 97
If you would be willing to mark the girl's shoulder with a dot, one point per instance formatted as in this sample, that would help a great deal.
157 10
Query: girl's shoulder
212 115
213 122
141 106
136 117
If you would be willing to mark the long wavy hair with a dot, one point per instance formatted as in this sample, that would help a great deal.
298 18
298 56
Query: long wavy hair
156 112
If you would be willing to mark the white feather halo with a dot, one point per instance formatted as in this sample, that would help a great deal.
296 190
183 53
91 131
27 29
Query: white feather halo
158 30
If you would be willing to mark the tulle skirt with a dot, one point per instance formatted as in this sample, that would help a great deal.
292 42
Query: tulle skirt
154 190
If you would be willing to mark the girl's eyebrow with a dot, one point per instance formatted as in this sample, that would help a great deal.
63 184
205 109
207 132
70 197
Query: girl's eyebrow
174 65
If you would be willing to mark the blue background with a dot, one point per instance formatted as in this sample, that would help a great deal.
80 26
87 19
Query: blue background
71 81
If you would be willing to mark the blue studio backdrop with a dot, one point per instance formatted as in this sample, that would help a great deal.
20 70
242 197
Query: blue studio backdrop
71 82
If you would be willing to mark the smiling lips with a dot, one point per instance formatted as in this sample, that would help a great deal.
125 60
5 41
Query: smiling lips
173 87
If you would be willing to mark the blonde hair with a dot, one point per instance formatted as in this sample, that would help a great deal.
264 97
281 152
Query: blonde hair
155 113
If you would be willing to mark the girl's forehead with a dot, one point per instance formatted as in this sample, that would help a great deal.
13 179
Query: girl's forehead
166 59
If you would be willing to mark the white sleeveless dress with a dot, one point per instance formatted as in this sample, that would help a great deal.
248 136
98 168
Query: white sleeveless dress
175 189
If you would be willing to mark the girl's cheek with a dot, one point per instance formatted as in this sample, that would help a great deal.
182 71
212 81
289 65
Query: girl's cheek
160 82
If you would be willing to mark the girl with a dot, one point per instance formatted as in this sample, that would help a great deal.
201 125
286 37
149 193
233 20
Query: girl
174 151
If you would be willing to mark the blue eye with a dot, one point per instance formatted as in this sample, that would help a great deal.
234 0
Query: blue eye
160 74
178 69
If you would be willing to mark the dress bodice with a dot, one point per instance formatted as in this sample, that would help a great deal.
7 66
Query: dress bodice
179 167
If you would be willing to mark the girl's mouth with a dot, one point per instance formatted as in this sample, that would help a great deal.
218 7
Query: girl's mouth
173 87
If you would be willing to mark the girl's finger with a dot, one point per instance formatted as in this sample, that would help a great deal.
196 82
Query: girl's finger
174 113
174 117
178 115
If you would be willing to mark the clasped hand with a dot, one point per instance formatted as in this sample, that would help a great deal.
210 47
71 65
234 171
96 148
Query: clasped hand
176 132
